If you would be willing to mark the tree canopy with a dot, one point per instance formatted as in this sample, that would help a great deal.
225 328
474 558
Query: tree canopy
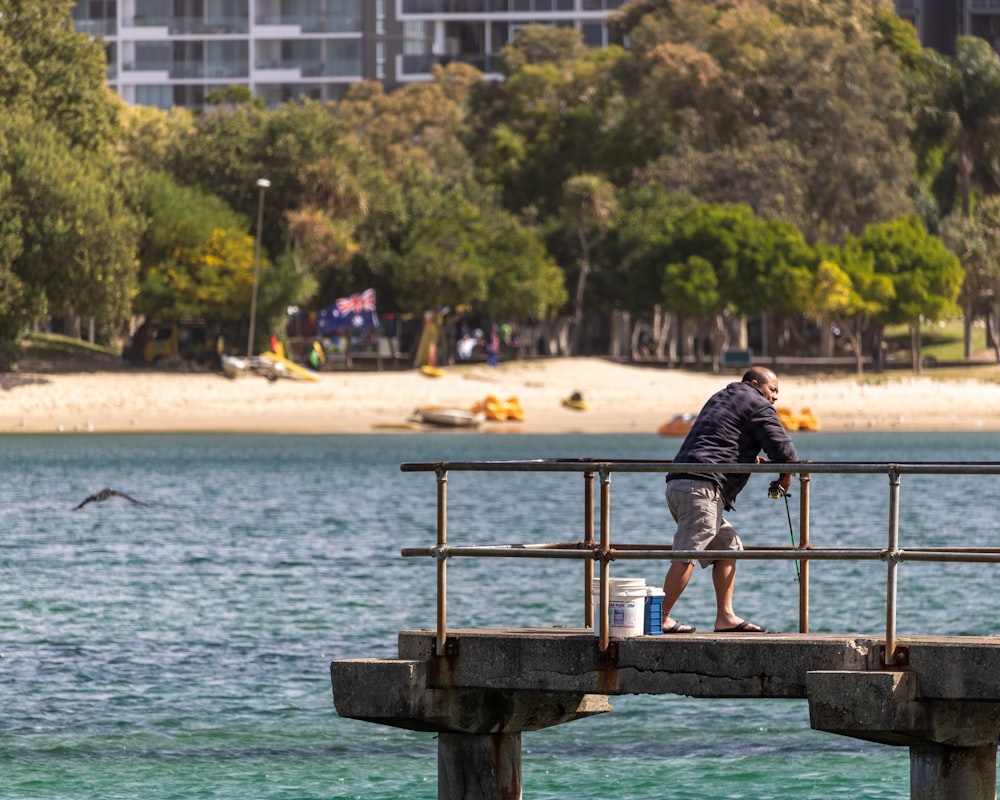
721 161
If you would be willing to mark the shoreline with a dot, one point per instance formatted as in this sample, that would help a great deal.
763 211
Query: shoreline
620 399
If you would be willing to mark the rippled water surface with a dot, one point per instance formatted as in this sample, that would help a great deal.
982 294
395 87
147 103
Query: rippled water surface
181 649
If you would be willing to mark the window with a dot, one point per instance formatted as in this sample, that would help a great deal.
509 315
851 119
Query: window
593 34
157 96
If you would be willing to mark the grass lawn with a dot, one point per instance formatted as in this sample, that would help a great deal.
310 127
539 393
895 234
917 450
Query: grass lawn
940 341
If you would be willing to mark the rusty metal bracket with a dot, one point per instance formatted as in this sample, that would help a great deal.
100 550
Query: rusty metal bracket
611 654
901 661
450 646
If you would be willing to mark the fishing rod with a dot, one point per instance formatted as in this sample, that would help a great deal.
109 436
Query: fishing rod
774 491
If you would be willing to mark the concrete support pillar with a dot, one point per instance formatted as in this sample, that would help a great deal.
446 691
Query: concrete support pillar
484 766
938 772
953 744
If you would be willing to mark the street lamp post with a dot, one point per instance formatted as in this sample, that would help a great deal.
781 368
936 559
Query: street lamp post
263 184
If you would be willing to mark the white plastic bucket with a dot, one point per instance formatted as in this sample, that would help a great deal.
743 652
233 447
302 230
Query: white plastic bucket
626 607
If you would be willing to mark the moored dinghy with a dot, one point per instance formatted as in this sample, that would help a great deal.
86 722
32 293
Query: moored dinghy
447 417
678 426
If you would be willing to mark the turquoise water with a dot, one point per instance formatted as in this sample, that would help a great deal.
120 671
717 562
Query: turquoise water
181 649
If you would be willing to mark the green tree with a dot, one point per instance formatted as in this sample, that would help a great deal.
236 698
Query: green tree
589 210
797 111
435 244
55 73
147 135
198 260
227 151
422 122
15 307
976 242
68 233
556 115
78 237
957 97
845 292
691 290
926 277
956 107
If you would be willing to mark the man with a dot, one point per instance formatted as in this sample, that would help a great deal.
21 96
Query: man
735 424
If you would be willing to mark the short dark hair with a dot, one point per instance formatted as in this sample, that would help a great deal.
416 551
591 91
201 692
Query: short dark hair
759 374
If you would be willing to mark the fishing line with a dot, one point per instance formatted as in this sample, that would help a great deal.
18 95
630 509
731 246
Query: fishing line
774 490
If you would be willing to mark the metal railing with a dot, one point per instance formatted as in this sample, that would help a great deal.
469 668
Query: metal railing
603 552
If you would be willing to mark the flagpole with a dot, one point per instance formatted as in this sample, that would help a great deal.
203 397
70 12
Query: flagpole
264 184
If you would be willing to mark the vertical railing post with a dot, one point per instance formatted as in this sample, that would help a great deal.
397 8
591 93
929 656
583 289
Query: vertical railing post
892 557
804 543
588 541
605 564
442 559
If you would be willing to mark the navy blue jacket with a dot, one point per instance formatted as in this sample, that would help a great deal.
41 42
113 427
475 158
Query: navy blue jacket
733 427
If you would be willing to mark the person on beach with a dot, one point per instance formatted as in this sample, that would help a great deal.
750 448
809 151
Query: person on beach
733 427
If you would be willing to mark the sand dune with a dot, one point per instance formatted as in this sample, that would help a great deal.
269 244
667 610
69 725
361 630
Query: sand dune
620 398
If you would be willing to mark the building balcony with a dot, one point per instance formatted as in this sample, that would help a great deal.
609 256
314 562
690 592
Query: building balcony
164 71
146 73
295 69
292 24
145 27
439 7
189 25
421 65
277 71
96 27
216 70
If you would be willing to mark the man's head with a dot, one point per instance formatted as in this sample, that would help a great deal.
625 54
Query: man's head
764 381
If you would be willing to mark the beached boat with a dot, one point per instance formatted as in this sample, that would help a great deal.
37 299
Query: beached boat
286 368
678 426
235 366
447 417
270 365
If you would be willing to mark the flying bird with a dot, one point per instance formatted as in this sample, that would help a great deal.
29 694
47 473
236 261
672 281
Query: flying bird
104 494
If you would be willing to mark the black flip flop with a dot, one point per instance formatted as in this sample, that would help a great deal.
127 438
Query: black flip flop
744 627
680 627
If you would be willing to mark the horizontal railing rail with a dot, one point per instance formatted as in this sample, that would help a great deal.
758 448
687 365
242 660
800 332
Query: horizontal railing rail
604 552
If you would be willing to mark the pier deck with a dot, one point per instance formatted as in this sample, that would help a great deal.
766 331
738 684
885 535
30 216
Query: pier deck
479 690
941 698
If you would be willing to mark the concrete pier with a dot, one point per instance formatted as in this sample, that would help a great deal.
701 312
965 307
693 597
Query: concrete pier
940 697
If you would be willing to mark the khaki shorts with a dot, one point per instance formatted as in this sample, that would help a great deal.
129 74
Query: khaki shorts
696 507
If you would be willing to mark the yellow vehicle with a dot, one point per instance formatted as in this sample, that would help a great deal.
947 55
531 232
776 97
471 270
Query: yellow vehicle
171 341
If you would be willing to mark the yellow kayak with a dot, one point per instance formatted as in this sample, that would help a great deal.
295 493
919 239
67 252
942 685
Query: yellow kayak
576 402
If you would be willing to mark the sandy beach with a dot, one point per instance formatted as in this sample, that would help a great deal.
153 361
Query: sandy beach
620 399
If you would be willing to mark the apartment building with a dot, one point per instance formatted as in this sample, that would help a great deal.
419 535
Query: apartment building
167 53
938 22
418 34
173 52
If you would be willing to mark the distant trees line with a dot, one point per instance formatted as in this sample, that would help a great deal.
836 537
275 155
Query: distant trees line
807 165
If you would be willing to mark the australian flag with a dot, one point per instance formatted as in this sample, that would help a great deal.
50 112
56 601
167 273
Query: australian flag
356 311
